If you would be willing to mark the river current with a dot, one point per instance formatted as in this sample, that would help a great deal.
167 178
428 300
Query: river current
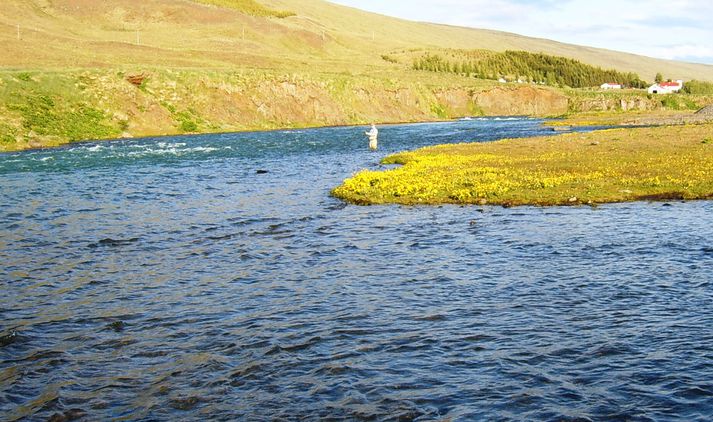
214 278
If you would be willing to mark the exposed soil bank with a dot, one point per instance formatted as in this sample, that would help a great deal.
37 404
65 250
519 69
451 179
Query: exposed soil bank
39 109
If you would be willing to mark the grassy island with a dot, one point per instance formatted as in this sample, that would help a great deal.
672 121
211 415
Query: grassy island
617 165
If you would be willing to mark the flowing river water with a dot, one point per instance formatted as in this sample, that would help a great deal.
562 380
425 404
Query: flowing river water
213 277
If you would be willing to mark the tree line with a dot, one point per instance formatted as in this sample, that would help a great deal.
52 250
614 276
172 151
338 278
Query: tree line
527 67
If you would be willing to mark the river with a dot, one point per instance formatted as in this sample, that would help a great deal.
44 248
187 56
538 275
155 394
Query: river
213 277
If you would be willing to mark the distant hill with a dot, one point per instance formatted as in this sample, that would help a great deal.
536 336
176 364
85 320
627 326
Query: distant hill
271 34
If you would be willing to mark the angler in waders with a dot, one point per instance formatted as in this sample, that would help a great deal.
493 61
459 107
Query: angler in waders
373 135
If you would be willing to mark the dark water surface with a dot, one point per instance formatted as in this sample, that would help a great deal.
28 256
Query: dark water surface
164 279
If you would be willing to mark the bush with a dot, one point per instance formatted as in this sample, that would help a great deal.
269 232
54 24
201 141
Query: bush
439 110
186 122
24 76
41 114
250 7
7 134
678 102
698 88
188 126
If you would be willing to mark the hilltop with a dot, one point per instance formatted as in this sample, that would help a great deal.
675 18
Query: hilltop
88 69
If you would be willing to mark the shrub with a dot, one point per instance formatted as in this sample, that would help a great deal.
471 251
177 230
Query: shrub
7 134
186 122
250 7
698 87
439 110
24 76
41 114
677 102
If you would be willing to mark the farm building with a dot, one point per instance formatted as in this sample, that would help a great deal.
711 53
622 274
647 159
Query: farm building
611 85
666 87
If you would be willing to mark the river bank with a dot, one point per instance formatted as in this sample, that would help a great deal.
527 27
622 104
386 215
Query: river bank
616 165
41 109
661 117
44 109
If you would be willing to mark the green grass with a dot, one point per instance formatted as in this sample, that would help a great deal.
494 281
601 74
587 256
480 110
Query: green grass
8 134
48 116
250 7
54 107
620 165
24 76
187 122
679 102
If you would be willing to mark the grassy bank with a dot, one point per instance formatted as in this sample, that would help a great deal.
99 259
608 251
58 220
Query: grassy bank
618 165
45 108
659 117
41 108
589 107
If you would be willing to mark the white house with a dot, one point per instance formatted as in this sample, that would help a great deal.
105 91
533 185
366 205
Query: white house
666 87
611 85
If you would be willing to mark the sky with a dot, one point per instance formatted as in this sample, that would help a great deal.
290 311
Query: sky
672 29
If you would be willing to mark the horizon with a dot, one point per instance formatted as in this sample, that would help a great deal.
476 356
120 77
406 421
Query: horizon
636 27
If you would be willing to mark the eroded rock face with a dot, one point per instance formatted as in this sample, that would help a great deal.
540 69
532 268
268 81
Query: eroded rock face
613 104
525 100
454 99
636 104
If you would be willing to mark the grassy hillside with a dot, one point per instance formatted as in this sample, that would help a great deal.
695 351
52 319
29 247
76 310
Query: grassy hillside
249 7
276 34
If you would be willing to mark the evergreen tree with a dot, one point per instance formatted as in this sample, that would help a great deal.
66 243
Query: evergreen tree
528 67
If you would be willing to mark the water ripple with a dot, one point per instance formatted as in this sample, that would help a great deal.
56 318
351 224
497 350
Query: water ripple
166 279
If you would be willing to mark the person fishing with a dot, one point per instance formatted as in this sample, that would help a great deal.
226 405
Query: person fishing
373 135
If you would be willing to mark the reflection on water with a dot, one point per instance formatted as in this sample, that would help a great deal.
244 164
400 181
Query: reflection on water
213 276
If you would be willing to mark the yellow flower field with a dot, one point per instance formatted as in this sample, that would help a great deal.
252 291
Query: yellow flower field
659 163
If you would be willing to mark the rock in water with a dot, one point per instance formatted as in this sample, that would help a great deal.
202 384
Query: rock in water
8 339
117 326
69 415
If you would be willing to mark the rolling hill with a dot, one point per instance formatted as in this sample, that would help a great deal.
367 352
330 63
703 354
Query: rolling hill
275 34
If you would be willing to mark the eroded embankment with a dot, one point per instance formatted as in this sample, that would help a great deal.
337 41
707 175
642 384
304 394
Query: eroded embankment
51 108
46 109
